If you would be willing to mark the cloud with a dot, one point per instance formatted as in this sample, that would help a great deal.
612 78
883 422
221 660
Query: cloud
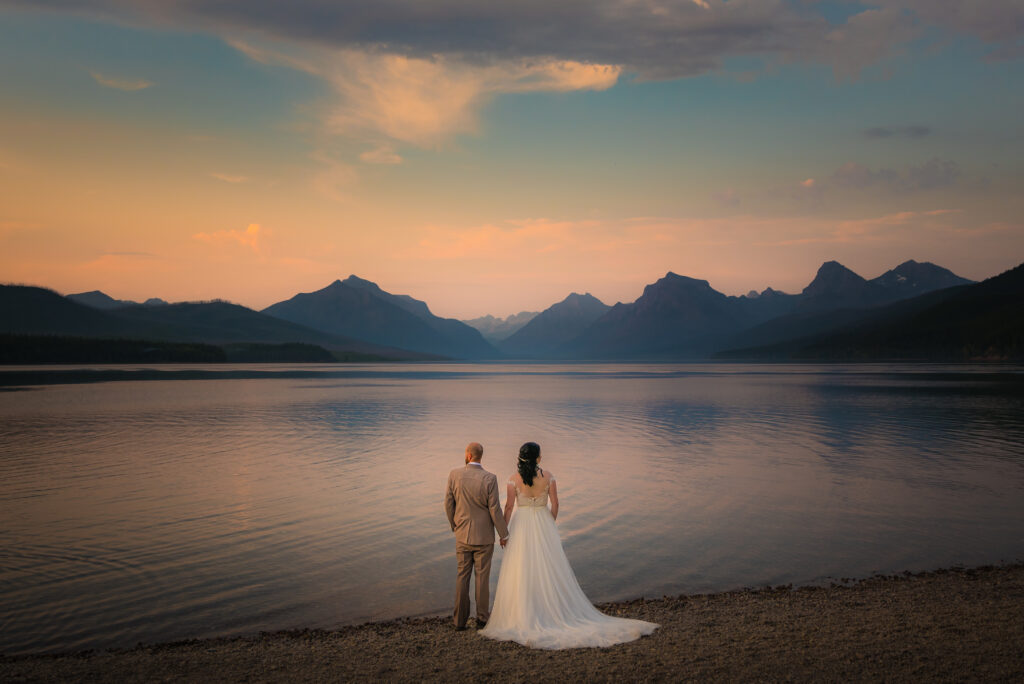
385 154
995 22
915 131
421 101
252 237
932 174
425 101
129 85
229 178
653 38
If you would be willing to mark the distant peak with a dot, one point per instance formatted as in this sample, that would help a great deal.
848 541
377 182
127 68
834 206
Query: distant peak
833 266
675 278
576 299
577 296
356 281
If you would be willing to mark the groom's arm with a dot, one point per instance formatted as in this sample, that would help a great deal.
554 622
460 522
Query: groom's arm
494 506
449 502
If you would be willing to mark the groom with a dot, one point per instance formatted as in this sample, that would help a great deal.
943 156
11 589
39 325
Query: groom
471 502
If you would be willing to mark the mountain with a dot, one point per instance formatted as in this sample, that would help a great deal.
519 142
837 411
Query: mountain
838 298
912 278
684 318
676 317
37 311
225 323
359 308
26 310
497 329
555 326
980 321
837 287
101 300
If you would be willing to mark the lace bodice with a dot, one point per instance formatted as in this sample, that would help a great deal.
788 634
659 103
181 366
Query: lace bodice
523 499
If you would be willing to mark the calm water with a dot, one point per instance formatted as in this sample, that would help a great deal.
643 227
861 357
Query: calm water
280 497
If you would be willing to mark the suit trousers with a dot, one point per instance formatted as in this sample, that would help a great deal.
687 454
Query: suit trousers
473 557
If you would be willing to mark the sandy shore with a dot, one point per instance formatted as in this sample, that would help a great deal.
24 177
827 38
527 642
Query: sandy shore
949 625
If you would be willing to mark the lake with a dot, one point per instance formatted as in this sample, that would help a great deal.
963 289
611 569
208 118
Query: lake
194 501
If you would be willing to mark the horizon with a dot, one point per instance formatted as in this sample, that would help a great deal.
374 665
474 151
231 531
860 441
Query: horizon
495 316
505 157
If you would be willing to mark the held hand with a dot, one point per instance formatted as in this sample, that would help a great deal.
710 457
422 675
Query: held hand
503 542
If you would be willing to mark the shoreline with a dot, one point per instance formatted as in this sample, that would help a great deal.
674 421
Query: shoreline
943 625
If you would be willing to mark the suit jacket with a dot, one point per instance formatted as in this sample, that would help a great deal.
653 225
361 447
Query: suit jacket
471 502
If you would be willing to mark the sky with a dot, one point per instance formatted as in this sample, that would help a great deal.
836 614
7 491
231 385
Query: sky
492 157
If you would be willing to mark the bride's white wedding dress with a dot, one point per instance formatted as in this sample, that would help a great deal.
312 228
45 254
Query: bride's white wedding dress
538 602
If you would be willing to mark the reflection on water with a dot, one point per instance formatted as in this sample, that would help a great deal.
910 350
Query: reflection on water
238 500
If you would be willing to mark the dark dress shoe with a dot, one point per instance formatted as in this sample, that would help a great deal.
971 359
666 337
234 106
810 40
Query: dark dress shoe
480 624
460 629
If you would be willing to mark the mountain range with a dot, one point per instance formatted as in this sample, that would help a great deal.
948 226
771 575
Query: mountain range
915 310
101 300
359 308
496 329
549 330
982 322
37 311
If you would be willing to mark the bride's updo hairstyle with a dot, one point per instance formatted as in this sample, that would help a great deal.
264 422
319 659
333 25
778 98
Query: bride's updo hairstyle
528 455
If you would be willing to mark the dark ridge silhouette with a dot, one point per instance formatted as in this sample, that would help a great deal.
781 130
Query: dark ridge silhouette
837 287
555 326
977 322
912 278
31 310
360 309
674 317
101 300
32 349
839 298
36 311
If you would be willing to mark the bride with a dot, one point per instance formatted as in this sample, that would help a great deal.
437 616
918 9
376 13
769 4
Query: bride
539 603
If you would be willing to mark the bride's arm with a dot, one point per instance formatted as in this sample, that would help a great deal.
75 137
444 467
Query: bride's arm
553 496
510 501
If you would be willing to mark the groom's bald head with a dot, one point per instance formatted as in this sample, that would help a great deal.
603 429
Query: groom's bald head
474 452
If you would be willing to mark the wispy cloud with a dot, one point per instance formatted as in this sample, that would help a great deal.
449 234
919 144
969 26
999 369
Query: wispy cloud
421 101
128 85
252 237
385 154
227 178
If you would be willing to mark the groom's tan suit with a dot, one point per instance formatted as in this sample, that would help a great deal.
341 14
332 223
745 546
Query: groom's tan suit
474 512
